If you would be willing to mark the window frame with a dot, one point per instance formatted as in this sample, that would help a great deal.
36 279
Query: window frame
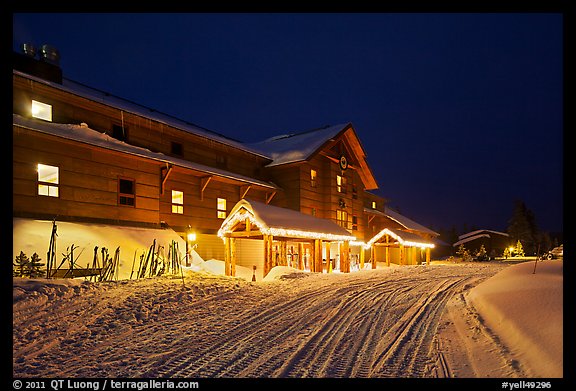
341 184
127 195
43 110
221 212
50 186
177 207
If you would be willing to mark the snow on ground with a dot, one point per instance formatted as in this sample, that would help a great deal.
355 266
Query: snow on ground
509 325
371 323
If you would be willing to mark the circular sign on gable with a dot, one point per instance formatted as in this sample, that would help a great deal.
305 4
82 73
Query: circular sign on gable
343 163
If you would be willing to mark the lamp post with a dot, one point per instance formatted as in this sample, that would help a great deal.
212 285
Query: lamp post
190 237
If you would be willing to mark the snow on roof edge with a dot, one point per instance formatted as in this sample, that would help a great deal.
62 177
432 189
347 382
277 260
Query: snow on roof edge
82 134
136 108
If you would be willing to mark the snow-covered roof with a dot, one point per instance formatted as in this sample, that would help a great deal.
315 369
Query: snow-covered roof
84 134
482 230
111 100
402 237
277 221
296 147
402 220
470 238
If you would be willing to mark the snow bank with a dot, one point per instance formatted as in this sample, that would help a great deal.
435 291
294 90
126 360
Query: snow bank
526 311
216 267
33 236
283 273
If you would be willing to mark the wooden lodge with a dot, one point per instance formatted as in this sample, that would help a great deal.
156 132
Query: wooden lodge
303 200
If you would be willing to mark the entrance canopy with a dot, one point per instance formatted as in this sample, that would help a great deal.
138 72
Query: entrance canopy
403 238
252 219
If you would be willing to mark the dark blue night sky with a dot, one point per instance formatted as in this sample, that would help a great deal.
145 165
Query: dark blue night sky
460 114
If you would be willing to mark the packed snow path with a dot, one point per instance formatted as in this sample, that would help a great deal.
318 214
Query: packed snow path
379 323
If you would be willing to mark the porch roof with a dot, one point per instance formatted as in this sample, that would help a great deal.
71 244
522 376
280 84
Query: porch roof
281 222
401 237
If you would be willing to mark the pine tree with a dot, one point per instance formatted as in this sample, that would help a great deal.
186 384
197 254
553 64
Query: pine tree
463 253
522 226
519 249
21 264
506 253
481 252
34 267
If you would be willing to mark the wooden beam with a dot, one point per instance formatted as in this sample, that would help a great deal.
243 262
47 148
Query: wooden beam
402 255
164 172
267 254
244 190
283 261
269 197
204 181
373 257
362 256
427 255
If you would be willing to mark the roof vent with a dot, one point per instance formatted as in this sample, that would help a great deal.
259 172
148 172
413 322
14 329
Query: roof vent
50 54
29 49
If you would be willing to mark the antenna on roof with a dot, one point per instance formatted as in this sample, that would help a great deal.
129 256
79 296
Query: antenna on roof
50 54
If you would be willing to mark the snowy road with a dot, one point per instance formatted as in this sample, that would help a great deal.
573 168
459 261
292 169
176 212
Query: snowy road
380 323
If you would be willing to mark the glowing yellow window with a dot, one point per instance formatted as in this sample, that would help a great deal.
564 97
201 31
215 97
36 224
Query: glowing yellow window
221 202
313 176
341 184
47 180
177 202
41 110
373 204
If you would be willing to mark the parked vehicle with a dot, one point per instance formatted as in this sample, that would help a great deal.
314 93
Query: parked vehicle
555 253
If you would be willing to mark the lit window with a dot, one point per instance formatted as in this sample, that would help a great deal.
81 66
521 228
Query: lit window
177 202
47 180
126 191
221 202
341 184
342 218
41 110
313 178
354 223
373 204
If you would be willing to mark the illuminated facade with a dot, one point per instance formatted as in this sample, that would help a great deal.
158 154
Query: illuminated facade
84 155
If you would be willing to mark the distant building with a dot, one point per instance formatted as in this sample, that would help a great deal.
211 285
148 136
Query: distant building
83 155
494 242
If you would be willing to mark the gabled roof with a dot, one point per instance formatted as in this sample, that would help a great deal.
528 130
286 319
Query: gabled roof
402 237
487 231
299 147
470 238
89 136
402 220
277 221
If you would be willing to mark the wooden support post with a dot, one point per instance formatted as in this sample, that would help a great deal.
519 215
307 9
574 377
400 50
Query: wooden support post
362 256
402 255
283 253
300 256
267 254
414 251
345 257
317 256
227 259
387 252
373 256
427 255
233 257
328 262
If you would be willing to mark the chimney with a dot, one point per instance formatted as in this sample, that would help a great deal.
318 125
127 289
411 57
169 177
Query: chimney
45 64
